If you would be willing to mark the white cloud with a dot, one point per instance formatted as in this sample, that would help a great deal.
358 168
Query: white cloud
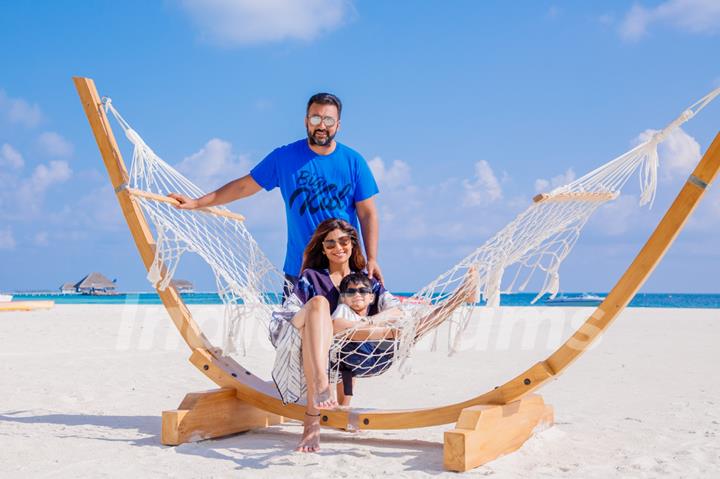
678 154
7 240
618 217
98 209
398 195
410 211
545 186
398 175
693 16
635 23
54 144
214 165
41 239
46 175
714 203
22 197
17 110
243 22
484 188
10 157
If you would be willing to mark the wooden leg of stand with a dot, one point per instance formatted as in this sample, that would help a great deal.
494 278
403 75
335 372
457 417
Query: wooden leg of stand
209 414
484 433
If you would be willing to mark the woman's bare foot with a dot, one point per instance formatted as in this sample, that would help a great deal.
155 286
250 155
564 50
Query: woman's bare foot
310 441
324 398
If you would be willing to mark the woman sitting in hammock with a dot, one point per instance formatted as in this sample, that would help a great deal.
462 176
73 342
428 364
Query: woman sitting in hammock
332 253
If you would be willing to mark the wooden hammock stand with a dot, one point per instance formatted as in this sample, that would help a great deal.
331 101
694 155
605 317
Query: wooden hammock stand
487 426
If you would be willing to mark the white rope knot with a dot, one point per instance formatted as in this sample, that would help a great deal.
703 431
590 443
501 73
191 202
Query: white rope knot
106 101
134 138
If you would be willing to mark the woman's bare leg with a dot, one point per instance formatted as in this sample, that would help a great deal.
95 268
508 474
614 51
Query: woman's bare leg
315 326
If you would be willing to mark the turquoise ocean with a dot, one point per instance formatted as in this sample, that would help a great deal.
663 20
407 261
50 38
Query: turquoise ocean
643 300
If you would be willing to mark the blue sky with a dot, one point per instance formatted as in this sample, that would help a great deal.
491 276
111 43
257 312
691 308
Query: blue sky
464 109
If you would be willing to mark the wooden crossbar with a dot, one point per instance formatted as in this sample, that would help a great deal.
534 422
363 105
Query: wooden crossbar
578 196
166 199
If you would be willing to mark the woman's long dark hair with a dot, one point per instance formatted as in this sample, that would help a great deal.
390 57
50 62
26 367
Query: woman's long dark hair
313 257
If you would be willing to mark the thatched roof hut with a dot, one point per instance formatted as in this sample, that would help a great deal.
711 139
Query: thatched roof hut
95 283
68 288
182 285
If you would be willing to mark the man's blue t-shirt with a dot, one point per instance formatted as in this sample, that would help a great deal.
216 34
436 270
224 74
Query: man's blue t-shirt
314 188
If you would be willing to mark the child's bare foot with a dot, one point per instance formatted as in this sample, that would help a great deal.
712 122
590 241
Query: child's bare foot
310 441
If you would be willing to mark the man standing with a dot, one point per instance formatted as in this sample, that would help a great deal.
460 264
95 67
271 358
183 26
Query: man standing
318 177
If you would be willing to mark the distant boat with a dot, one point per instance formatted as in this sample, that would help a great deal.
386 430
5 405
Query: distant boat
585 299
182 286
4 298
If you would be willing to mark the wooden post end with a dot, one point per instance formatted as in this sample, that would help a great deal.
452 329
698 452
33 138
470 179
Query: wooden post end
211 414
484 433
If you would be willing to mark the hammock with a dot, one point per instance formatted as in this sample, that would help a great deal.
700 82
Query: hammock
535 242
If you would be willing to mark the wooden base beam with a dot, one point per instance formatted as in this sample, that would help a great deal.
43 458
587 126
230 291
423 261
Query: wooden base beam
484 433
211 414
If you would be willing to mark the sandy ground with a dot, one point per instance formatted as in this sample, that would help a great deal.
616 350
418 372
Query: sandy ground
82 389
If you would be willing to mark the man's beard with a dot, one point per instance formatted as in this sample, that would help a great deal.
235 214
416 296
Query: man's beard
320 142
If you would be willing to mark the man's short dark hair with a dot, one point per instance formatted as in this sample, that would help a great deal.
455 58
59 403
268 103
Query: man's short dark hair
325 99
355 278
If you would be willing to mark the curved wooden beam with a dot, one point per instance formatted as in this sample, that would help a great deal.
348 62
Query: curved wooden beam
226 372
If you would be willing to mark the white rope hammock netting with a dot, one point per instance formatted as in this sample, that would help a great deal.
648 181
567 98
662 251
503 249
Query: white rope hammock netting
249 285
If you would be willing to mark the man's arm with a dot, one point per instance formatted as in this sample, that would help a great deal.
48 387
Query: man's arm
235 190
367 214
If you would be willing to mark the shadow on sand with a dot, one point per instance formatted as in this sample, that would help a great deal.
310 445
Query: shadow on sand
259 449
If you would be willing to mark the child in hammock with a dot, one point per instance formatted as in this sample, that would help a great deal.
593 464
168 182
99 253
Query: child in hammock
359 296
362 358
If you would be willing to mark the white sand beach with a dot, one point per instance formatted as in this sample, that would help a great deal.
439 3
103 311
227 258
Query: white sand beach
83 388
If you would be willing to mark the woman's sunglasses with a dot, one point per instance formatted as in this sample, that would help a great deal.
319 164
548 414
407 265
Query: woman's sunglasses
331 243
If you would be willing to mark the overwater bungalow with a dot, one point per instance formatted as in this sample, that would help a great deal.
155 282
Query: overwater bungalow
96 284
68 288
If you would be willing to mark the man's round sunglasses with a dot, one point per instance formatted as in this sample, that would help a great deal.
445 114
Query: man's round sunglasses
331 243
354 291
328 121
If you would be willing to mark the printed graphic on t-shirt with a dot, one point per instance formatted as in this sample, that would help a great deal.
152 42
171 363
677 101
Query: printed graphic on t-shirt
315 193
